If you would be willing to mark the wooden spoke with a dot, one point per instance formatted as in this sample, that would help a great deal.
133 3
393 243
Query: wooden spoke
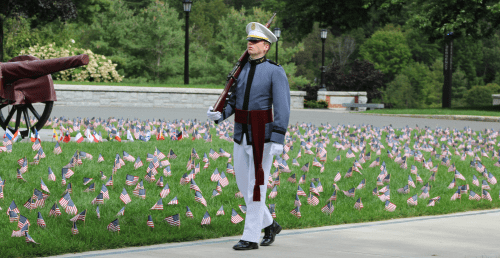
33 110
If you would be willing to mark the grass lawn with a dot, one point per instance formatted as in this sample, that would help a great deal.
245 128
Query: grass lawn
57 238
466 111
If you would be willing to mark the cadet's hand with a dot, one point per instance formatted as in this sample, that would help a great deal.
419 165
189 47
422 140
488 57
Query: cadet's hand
276 149
213 115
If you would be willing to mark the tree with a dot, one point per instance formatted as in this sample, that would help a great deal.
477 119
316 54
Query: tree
477 19
363 76
343 49
44 10
388 50
299 17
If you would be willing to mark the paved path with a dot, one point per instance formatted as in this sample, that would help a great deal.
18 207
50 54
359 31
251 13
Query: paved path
468 234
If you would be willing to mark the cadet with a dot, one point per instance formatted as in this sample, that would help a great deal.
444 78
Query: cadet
261 90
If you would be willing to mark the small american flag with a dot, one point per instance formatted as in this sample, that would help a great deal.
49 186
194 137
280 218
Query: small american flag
485 185
458 175
52 176
213 154
223 180
28 238
328 208
150 223
42 185
167 171
292 179
220 212
412 201
165 191
71 208
350 192
121 212
424 194
206 219
358 205
215 193
199 198
272 210
312 200
74 229
300 191
404 190
456 195
474 196
40 221
174 220
158 205
54 211
80 216
274 193
486 195
131 180
189 214
99 199
491 179
100 158
337 177
235 217
215 176
174 201
138 163
57 149
125 197
296 212
389 206
114 225
91 188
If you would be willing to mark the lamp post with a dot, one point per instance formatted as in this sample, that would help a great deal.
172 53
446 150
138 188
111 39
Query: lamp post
277 33
447 70
187 9
323 38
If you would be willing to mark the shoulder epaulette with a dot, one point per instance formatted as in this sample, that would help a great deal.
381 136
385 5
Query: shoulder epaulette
272 62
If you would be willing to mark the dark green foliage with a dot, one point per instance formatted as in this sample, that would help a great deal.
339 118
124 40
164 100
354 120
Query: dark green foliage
481 95
362 76
311 92
315 104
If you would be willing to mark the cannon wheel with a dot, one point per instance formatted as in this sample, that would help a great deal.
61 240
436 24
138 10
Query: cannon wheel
14 113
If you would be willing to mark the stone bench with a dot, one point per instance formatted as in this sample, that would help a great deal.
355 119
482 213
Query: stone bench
363 105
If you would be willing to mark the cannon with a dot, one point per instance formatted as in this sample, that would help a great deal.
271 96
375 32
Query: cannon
27 89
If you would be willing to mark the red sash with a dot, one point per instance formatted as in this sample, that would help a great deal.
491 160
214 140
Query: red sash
258 120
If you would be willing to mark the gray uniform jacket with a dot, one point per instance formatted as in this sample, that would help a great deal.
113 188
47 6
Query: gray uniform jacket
261 85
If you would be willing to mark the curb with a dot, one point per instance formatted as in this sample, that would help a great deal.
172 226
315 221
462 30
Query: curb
446 117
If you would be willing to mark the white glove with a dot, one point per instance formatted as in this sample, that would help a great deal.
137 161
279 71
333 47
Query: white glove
276 149
213 115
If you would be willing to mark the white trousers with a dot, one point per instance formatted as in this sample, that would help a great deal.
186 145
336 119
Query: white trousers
257 215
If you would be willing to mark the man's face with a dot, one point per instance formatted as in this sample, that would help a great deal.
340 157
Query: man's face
257 48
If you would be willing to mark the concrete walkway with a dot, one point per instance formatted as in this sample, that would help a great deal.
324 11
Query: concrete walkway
468 234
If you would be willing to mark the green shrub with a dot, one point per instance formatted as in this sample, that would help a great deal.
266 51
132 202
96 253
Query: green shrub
315 104
481 95
99 68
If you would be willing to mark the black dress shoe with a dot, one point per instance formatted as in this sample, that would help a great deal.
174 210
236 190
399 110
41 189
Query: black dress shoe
270 233
245 245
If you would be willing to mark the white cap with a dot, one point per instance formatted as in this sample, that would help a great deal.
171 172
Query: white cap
257 31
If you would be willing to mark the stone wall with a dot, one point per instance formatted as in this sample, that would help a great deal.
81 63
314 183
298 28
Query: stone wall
336 98
118 96
496 99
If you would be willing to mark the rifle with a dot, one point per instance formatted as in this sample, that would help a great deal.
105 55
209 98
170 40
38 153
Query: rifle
233 76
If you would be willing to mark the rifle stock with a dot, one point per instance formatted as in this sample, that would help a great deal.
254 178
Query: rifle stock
233 75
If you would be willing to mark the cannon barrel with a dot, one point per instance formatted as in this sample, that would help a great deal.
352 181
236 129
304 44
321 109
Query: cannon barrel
13 71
